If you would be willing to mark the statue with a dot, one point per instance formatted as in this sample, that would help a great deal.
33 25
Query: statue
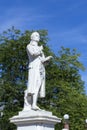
32 117
36 71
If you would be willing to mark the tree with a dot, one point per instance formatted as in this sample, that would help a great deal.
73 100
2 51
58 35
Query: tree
64 86
66 92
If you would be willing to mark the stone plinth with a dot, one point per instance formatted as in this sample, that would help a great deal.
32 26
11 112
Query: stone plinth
35 120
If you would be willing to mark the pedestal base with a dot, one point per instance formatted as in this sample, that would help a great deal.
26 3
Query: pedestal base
35 120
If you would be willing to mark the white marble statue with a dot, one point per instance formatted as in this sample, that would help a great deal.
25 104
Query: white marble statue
31 117
36 71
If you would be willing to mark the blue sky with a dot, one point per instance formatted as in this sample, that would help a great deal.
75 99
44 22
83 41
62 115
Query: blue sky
65 20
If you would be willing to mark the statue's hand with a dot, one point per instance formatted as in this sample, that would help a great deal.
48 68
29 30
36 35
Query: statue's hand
47 58
41 48
50 57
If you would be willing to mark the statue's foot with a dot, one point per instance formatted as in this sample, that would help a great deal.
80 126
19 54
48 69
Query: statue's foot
35 108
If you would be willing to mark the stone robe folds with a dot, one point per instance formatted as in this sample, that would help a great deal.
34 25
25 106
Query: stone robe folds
36 73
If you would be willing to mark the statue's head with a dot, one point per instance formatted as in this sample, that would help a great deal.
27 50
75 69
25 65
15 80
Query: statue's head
35 36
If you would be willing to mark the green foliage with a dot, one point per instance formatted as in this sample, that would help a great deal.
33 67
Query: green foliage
64 86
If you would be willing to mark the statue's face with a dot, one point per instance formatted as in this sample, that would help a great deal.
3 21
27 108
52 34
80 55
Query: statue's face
36 37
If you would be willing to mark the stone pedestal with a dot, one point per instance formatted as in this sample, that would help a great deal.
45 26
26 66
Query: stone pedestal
35 120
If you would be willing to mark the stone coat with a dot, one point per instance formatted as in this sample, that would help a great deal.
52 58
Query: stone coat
36 70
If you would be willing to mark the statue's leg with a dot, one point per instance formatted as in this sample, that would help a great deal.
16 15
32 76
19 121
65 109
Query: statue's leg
27 101
34 105
35 97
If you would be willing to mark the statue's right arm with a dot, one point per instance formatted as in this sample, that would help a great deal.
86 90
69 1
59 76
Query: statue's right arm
47 59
